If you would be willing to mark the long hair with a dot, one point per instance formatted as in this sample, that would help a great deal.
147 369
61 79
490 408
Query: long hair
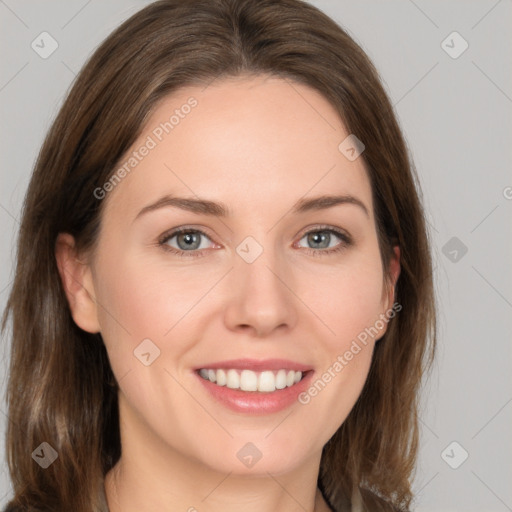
61 389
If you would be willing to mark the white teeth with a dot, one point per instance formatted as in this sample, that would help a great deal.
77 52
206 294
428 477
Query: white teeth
247 380
266 382
233 379
281 379
221 377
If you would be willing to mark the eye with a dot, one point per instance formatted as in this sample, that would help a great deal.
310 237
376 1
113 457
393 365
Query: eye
325 240
183 240
189 242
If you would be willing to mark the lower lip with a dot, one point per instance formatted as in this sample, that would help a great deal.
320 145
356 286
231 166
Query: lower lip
257 402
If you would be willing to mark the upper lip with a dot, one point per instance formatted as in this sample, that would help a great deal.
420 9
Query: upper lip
257 365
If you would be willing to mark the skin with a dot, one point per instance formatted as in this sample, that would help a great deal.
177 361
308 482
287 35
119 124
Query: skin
258 145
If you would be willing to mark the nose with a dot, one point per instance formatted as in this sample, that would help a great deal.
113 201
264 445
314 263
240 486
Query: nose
261 299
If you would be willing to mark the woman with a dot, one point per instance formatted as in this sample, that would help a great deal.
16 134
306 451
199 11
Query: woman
223 293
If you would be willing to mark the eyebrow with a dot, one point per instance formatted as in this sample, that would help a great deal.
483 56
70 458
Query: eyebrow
206 207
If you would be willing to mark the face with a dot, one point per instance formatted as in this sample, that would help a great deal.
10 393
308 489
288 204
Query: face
280 275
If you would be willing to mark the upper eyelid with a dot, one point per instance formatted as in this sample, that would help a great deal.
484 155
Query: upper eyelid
323 227
176 231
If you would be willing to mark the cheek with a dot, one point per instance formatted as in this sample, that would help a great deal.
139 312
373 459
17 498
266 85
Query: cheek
347 300
349 305
140 300
336 388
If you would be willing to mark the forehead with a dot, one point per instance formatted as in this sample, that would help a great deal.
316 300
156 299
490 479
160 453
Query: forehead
243 141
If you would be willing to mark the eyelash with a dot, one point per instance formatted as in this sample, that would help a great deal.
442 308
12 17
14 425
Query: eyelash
346 241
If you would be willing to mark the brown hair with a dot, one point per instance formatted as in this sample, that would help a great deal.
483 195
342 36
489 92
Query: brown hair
59 388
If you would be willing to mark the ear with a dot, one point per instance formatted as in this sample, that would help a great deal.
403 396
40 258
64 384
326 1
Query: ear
77 280
393 271
388 292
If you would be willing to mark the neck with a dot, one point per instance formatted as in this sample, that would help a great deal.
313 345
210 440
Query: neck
153 475
129 490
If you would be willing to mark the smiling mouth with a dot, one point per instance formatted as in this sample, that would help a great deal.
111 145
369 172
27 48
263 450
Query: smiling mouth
266 381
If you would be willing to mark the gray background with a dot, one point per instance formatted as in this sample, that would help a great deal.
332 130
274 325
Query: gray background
455 113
